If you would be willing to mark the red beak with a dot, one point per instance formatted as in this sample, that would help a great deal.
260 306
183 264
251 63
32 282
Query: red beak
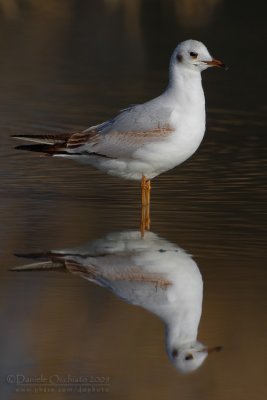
216 63
213 349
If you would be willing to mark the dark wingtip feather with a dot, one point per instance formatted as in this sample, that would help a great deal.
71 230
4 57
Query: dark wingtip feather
39 148
41 266
43 256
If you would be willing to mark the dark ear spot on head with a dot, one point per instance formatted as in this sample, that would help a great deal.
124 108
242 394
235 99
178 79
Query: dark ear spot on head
179 58
174 353
189 357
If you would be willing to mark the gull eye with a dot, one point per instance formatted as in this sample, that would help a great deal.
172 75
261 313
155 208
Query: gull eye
189 357
193 54
174 353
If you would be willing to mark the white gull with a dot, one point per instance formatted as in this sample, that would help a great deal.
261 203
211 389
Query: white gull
148 139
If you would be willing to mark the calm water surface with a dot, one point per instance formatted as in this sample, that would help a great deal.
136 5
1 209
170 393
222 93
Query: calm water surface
64 70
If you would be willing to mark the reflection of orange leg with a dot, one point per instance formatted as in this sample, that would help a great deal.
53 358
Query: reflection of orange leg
143 221
147 221
148 189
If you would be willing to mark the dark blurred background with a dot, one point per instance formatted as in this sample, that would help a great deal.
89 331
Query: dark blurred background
68 64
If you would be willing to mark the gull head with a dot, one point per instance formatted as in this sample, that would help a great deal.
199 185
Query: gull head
193 55
190 356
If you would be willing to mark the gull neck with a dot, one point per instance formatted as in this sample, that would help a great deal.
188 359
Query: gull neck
185 85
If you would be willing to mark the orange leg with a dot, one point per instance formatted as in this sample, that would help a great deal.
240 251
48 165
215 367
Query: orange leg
146 188
145 213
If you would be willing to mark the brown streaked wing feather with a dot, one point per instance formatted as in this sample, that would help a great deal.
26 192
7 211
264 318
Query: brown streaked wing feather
88 272
60 137
134 275
81 138
151 133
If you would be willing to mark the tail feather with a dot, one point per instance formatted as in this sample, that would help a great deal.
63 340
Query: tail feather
45 139
39 266
44 261
48 144
38 148
38 255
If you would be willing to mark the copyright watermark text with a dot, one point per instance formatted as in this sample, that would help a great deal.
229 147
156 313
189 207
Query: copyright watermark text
56 383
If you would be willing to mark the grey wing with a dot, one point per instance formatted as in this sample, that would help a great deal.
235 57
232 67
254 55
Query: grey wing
128 131
120 274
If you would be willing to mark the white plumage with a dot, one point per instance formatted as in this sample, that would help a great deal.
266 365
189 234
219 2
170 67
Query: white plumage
147 139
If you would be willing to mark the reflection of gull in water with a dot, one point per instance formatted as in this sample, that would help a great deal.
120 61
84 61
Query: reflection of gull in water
150 272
